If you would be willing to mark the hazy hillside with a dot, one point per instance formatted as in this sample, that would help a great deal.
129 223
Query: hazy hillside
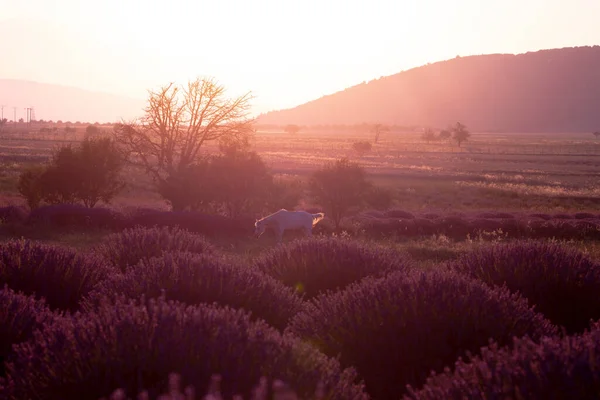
54 102
544 91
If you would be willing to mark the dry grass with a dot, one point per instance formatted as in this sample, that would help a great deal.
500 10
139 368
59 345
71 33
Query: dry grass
507 172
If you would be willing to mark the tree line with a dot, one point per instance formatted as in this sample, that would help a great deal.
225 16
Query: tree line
168 143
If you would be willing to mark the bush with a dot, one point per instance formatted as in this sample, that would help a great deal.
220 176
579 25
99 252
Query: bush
555 368
12 215
208 225
127 248
20 316
339 187
58 274
395 330
562 283
30 185
316 265
134 345
76 216
194 278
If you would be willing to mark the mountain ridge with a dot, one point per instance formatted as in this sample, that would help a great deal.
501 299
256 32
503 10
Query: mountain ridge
551 90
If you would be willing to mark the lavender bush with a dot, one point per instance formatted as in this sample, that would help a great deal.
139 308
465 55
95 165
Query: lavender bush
134 345
278 390
316 265
395 330
69 216
60 275
561 282
195 278
12 215
20 316
209 225
554 368
128 247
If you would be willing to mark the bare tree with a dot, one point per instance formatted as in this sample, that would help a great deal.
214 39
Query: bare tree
428 135
597 134
378 129
178 122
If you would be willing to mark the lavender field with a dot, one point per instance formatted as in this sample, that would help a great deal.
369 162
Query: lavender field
468 273
159 301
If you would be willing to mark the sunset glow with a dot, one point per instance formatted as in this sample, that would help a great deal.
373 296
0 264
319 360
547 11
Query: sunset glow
285 52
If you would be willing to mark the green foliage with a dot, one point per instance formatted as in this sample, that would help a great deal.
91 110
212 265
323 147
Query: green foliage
240 182
99 166
445 134
459 133
233 183
339 186
30 185
89 173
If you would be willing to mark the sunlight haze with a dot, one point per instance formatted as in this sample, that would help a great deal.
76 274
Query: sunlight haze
285 52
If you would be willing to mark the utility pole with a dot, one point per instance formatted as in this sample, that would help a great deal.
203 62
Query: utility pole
15 115
2 107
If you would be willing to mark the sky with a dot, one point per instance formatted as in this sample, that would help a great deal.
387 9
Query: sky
285 52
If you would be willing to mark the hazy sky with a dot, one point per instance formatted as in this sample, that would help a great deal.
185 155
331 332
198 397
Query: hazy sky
285 52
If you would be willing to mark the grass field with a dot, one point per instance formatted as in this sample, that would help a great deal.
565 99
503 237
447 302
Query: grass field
506 172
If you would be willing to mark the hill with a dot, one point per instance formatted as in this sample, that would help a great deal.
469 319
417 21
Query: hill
554 90
56 102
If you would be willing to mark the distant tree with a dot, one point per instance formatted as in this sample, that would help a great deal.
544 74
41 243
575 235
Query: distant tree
98 176
460 133
444 134
178 122
377 129
92 131
292 129
597 134
30 185
3 123
428 135
338 187
241 182
362 147
89 173
59 121
21 120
